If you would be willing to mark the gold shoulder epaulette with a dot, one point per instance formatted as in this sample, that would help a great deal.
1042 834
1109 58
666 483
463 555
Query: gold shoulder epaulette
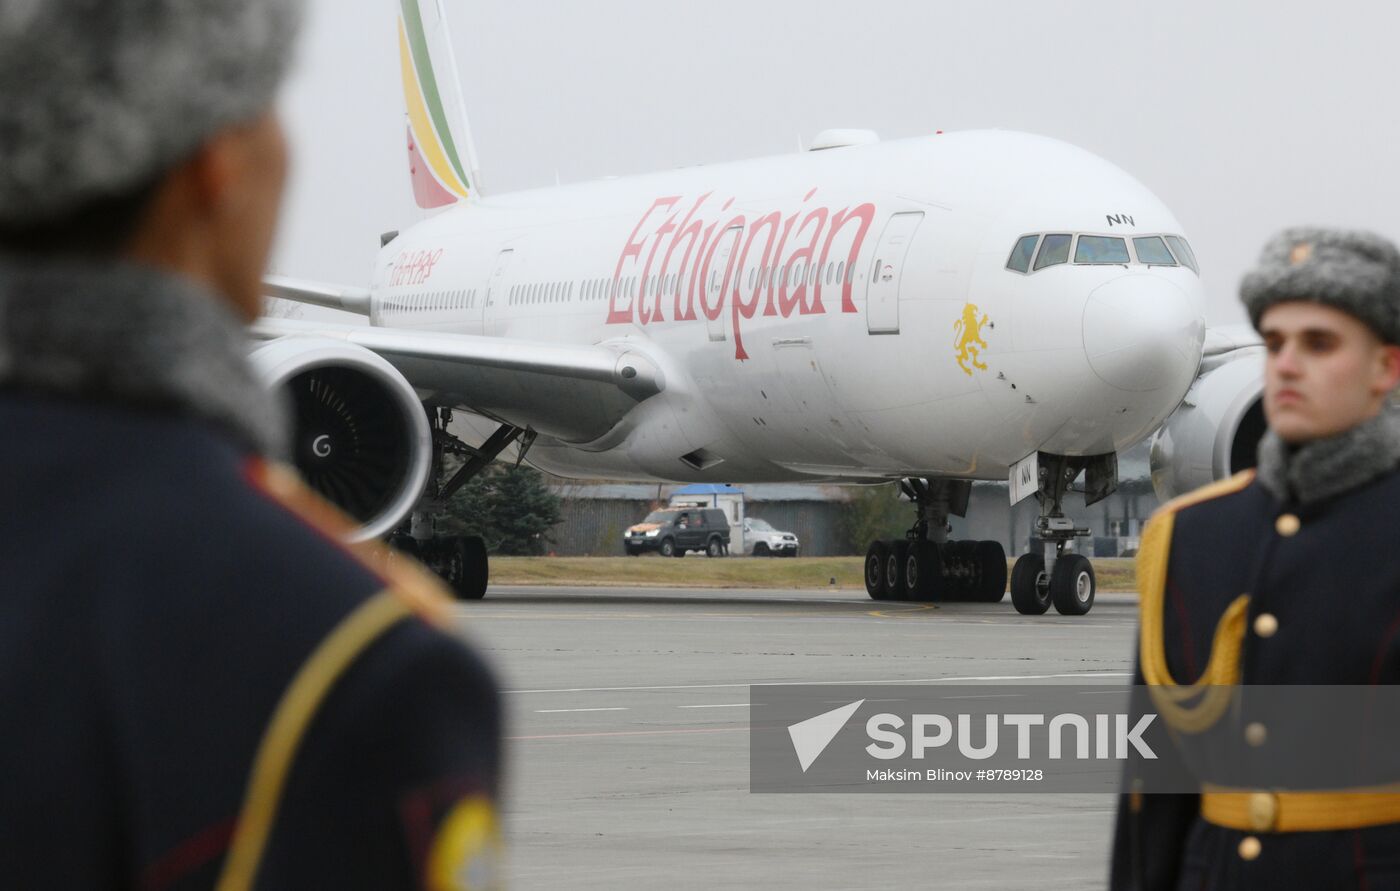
404 577
1223 670
1218 489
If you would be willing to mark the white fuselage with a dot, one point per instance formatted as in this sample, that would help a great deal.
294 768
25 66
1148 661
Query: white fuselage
844 314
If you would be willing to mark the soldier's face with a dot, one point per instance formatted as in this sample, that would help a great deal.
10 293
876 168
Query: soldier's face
245 219
1325 373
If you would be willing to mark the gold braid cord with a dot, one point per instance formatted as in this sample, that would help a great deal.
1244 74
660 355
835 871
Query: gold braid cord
288 726
1214 689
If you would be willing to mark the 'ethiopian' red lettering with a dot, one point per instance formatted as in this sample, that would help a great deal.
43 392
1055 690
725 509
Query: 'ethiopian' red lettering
414 267
785 276
633 249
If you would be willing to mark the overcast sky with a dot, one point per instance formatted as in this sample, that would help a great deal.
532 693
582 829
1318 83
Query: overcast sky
1243 117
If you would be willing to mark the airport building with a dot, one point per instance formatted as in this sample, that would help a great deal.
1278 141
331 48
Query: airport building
597 513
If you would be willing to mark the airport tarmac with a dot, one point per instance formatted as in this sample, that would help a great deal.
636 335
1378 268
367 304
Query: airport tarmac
628 739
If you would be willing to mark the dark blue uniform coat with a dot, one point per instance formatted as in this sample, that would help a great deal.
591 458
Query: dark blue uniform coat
1325 580
157 598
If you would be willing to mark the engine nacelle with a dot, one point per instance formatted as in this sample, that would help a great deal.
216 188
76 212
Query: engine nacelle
360 437
1216 431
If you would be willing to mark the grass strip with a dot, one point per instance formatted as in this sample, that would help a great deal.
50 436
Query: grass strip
696 571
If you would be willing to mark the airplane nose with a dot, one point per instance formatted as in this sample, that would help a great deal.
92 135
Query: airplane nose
1142 333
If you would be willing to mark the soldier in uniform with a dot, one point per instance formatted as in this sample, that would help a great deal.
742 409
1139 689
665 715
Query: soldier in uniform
200 687
1286 574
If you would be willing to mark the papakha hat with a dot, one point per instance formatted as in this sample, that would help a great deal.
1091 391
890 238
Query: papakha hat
1356 272
98 97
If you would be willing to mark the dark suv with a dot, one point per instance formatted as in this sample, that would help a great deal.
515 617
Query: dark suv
675 530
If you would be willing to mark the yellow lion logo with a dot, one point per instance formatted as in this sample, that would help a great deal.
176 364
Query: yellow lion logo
967 339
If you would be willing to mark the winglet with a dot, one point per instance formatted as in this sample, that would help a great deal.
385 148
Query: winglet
441 157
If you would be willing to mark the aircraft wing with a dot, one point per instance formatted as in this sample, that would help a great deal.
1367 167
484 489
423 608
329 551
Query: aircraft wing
573 393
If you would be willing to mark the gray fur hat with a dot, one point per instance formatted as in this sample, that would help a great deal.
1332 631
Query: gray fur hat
101 96
1356 272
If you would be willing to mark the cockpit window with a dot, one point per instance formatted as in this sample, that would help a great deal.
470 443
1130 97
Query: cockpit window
1021 254
1053 250
1101 249
1183 253
1152 250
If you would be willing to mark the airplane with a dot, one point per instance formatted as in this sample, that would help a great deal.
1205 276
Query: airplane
961 306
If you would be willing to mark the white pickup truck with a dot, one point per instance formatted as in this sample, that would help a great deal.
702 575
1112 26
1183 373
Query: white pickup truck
762 540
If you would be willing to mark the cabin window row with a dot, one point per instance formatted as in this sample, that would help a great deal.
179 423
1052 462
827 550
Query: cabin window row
541 292
1035 252
431 301
562 292
671 284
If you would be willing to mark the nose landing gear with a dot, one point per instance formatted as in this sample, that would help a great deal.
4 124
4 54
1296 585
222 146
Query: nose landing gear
1053 576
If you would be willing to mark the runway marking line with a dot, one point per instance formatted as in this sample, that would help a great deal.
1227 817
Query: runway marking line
944 619
884 614
555 711
855 612
993 696
719 705
743 729
847 683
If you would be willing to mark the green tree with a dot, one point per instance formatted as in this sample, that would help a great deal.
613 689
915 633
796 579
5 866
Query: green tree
875 512
511 508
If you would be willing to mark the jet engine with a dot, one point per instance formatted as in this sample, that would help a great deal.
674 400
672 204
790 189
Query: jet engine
1216 430
360 436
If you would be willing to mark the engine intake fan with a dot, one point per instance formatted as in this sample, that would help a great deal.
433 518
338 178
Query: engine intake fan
360 437
1215 432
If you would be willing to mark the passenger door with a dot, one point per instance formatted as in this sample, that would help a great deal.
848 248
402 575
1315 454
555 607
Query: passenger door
495 291
882 292
719 286
698 529
685 530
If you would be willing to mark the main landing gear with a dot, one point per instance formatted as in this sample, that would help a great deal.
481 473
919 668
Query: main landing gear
925 566
460 560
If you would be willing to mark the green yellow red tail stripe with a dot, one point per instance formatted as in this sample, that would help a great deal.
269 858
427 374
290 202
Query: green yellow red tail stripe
439 176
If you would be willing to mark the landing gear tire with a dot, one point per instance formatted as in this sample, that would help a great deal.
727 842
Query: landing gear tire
459 561
1030 597
895 570
961 584
1072 586
923 571
875 557
991 564
715 548
668 549
760 550
478 569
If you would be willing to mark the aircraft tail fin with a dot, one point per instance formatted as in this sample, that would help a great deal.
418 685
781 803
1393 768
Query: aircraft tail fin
441 157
